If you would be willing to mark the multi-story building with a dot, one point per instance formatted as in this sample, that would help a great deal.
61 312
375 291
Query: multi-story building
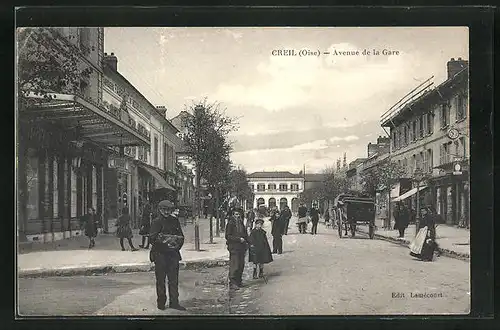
65 142
146 172
430 132
353 175
276 189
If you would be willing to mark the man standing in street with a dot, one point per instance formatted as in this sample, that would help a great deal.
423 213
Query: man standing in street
277 230
236 240
167 240
302 221
314 213
287 215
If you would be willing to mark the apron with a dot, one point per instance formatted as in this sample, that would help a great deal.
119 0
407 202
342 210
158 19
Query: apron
417 244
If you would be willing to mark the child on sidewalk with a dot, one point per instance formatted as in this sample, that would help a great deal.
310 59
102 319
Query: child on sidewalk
260 252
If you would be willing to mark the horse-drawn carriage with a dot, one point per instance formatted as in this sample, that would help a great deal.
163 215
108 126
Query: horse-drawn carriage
351 210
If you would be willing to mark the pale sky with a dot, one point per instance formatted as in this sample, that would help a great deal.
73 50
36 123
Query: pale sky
293 111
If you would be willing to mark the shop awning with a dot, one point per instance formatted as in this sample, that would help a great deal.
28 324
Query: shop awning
408 194
90 119
161 181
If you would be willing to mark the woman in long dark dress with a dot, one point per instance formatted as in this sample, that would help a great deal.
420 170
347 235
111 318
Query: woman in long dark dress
90 224
124 230
424 246
145 225
260 251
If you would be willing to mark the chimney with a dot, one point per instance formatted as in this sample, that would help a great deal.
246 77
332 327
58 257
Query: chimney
111 61
162 109
455 66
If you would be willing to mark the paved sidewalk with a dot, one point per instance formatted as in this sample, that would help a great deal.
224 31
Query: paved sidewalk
72 256
453 242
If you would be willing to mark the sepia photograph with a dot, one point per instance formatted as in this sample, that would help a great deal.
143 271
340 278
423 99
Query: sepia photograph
242 170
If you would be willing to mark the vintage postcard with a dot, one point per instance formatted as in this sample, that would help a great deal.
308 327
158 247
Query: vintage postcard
243 170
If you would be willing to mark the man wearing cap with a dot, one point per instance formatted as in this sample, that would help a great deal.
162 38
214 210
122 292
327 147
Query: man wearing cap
236 240
167 239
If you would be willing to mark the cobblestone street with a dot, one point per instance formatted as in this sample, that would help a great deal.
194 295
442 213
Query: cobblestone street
315 275
323 274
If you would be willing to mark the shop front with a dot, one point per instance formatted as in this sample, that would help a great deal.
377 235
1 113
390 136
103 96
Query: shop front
63 149
59 179
450 197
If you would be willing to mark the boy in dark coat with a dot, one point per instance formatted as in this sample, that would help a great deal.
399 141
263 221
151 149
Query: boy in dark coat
260 252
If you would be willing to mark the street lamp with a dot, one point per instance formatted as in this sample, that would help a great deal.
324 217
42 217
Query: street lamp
418 176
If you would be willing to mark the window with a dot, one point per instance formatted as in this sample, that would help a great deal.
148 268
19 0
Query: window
252 187
294 187
405 134
444 153
165 156
32 184
400 138
463 151
283 187
461 106
73 192
155 151
394 138
430 123
261 187
413 164
421 126
271 186
405 165
414 130
445 115
425 164
410 132
458 150
430 165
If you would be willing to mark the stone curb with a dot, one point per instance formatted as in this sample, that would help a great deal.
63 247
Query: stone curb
404 242
107 269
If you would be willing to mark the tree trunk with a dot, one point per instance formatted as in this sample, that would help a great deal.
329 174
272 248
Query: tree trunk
217 213
197 210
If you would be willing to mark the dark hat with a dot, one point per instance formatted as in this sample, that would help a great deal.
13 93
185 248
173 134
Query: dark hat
259 221
166 204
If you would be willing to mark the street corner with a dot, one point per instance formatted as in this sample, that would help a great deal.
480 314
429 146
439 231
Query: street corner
63 271
144 304
204 263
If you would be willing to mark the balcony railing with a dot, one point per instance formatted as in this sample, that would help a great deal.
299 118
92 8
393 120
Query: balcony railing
116 112
276 190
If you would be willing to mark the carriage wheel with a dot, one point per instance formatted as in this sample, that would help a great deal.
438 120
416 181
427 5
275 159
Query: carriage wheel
371 231
353 230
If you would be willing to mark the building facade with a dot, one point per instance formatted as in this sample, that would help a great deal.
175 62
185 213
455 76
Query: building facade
430 133
276 189
65 143
147 173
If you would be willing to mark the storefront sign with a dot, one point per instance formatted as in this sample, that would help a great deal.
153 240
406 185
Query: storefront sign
118 163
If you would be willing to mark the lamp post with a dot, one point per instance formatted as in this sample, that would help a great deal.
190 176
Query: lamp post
418 177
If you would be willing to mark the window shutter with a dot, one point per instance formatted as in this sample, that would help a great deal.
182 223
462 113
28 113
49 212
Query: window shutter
431 163
441 154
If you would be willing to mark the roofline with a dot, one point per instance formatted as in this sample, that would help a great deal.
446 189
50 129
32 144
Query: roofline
116 72
433 91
